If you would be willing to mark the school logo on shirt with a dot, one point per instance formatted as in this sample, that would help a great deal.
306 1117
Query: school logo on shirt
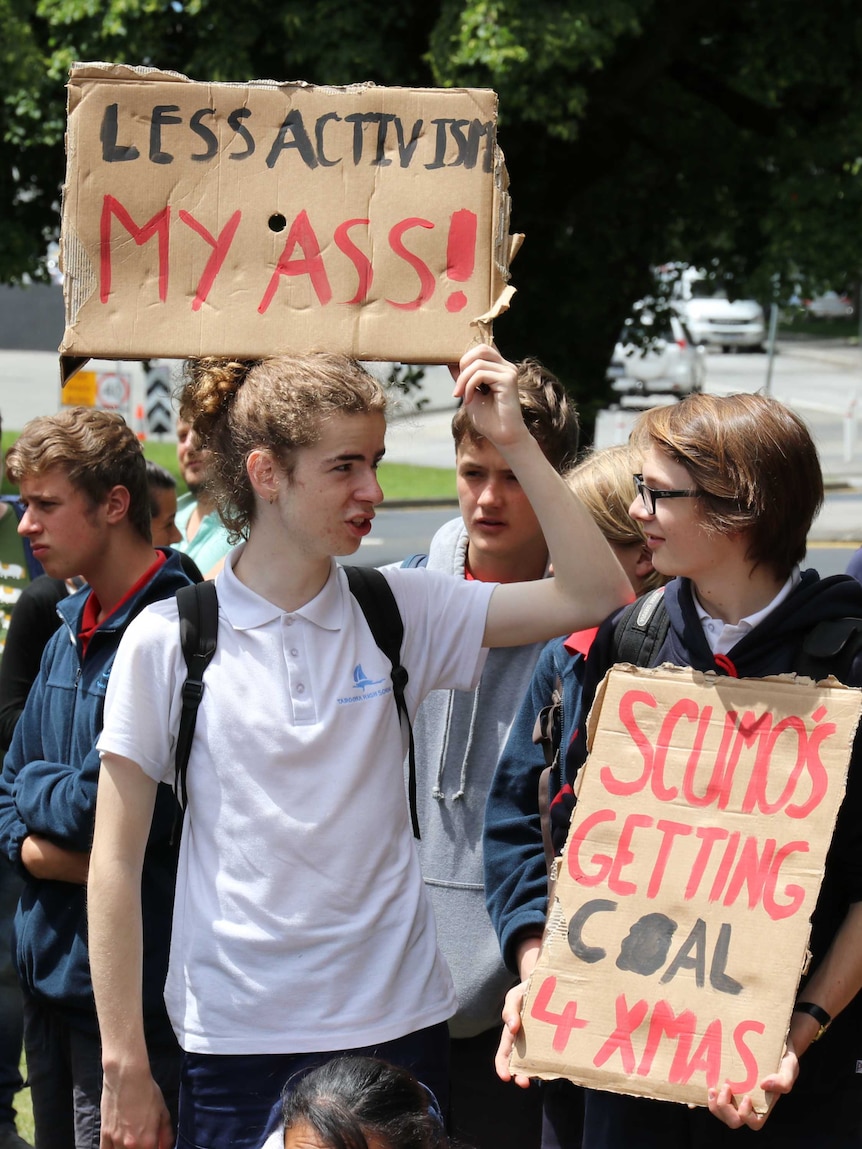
361 684
361 679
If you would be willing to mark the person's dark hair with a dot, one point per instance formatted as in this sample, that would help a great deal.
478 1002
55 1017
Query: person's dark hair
280 404
96 449
551 417
349 1101
159 478
754 463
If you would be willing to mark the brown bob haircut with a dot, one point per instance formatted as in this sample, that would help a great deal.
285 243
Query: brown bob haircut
754 464
551 417
96 450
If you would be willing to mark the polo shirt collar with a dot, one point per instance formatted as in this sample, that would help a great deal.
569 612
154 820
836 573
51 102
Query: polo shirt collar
246 610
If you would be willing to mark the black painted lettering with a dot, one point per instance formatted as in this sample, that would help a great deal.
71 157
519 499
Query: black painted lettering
292 134
112 152
645 948
478 132
577 944
685 959
322 157
439 160
718 978
161 117
206 134
405 151
234 121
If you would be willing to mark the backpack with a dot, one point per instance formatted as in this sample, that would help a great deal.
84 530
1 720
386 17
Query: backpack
198 615
415 561
829 648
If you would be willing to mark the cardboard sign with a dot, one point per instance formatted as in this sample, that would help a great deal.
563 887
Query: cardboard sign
252 219
680 922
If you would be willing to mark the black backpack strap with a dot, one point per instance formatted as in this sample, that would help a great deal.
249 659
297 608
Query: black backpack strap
374 595
415 561
198 613
830 648
547 733
641 629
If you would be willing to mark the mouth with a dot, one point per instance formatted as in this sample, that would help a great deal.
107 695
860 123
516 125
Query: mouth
360 525
487 524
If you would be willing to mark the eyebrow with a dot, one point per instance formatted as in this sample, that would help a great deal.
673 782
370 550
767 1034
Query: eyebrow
357 457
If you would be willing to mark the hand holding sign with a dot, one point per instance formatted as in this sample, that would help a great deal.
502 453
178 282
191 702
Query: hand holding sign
488 384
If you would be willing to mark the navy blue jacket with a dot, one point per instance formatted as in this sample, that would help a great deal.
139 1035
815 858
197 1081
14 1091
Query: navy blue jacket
516 881
48 787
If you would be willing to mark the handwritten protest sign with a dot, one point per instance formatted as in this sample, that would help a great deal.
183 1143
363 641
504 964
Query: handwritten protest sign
680 921
248 219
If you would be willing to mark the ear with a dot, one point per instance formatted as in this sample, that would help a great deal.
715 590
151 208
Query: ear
117 504
264 473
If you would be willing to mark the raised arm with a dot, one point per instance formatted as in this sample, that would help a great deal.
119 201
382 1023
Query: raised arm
588 581
134 1115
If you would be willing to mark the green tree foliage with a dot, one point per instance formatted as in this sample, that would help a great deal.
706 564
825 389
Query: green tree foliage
726 134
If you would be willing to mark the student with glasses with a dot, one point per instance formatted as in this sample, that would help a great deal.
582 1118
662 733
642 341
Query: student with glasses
727 493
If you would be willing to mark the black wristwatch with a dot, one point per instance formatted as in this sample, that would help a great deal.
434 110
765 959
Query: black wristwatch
817 1012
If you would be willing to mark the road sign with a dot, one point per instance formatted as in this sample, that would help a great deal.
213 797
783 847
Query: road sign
113 391
159 414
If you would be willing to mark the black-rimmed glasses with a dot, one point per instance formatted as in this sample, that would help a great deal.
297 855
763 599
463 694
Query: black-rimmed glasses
649 495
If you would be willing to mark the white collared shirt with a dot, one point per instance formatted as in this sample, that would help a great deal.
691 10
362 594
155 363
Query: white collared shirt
723 636
301 921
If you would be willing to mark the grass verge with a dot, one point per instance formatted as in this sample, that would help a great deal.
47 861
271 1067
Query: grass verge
398 480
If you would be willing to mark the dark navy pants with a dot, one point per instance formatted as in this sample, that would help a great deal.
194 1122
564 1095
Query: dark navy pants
234 1101
11 1003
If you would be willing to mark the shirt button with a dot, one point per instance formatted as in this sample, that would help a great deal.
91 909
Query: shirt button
300 689
294 652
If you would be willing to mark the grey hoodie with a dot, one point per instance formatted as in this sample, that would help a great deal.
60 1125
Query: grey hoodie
459 737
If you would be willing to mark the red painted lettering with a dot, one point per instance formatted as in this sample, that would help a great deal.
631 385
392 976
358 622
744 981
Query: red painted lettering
664 1023
158 225
670 831
748 1058
627 705
620 1041
624 855
706 1059
220 247
564 1022
603 861
300 235
426 278
358 258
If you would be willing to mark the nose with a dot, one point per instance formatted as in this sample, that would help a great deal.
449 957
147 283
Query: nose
489 496
26 524
371 491
637 509
174 535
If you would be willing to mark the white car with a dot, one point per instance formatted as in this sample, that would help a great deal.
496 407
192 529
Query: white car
716 321
829 305
656 355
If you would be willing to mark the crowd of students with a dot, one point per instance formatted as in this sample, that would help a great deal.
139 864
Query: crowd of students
280 961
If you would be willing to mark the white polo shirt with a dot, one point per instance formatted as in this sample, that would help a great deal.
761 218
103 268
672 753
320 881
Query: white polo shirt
300 922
